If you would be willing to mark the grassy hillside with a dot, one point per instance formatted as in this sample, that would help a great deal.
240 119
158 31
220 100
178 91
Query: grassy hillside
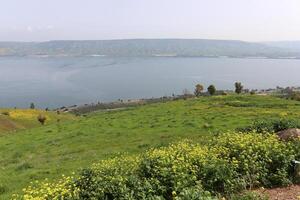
16 119
60 148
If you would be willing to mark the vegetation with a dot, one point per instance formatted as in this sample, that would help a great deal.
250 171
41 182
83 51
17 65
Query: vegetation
32 106
61 148
198 90
228 164
211 89
271 126
249 196
41 118
238 87
294 96
19 119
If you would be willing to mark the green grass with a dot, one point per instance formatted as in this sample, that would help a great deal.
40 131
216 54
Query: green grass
61 148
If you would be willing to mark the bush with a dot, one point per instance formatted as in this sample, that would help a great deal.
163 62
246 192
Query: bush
224 93
271 126
211 89
249 196
32 106
227 164
198 90
42 119
194 193
295 96
5 113
238 87
259 159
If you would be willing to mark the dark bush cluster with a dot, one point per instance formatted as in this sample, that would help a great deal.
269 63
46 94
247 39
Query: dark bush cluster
270 125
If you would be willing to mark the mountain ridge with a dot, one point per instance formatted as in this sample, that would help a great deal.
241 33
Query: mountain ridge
147 47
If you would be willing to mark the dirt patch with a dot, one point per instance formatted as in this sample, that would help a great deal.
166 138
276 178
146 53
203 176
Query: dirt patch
6 124
287 193
289 134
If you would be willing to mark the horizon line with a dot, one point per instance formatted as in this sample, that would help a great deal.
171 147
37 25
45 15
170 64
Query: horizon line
120 39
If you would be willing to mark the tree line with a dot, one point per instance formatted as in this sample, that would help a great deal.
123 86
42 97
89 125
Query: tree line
211 89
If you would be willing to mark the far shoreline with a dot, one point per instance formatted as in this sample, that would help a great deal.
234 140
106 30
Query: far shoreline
152 56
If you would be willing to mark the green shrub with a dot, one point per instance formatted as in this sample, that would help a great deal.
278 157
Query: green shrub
295 145
295 96
211 89
41 118
249 196
271 126
5 113
228 164
110 179
260 159
252 92
194 193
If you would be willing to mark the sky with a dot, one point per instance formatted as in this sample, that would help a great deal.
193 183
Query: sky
248 20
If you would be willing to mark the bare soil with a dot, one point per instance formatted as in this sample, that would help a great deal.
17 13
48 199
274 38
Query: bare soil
287 193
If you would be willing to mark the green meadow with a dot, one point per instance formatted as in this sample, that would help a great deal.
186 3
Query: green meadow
36 152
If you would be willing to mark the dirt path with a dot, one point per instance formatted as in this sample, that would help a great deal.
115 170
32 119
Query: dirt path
287 193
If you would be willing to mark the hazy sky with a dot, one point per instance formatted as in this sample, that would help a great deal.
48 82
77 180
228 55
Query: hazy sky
251 20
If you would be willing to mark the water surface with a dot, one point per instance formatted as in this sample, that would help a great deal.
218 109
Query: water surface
58 81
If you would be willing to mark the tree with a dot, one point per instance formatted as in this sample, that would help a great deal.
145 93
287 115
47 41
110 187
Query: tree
42 119
238 87
32 106
211 89
252 92
198 90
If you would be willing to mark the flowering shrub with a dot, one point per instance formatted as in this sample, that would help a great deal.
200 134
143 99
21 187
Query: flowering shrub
62 189
227 164
259 159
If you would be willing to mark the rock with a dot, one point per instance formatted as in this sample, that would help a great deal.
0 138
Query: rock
289 134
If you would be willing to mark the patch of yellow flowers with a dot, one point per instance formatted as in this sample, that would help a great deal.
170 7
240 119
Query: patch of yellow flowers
183 160
62 189
25 114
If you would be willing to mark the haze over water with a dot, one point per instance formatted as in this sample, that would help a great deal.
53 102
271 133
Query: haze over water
62 81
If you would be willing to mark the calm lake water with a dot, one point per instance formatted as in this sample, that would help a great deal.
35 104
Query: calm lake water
58 81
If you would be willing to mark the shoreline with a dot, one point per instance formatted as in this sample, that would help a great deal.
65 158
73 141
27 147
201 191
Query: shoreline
120 103
152 56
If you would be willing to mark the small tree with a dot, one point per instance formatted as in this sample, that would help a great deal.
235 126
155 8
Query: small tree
32 106
238 87
211 89
198 90
42 119
5 113
252 92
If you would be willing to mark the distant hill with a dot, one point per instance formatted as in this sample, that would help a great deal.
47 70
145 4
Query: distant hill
289 45
146 47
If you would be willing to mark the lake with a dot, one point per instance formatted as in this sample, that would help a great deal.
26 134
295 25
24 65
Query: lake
62 81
